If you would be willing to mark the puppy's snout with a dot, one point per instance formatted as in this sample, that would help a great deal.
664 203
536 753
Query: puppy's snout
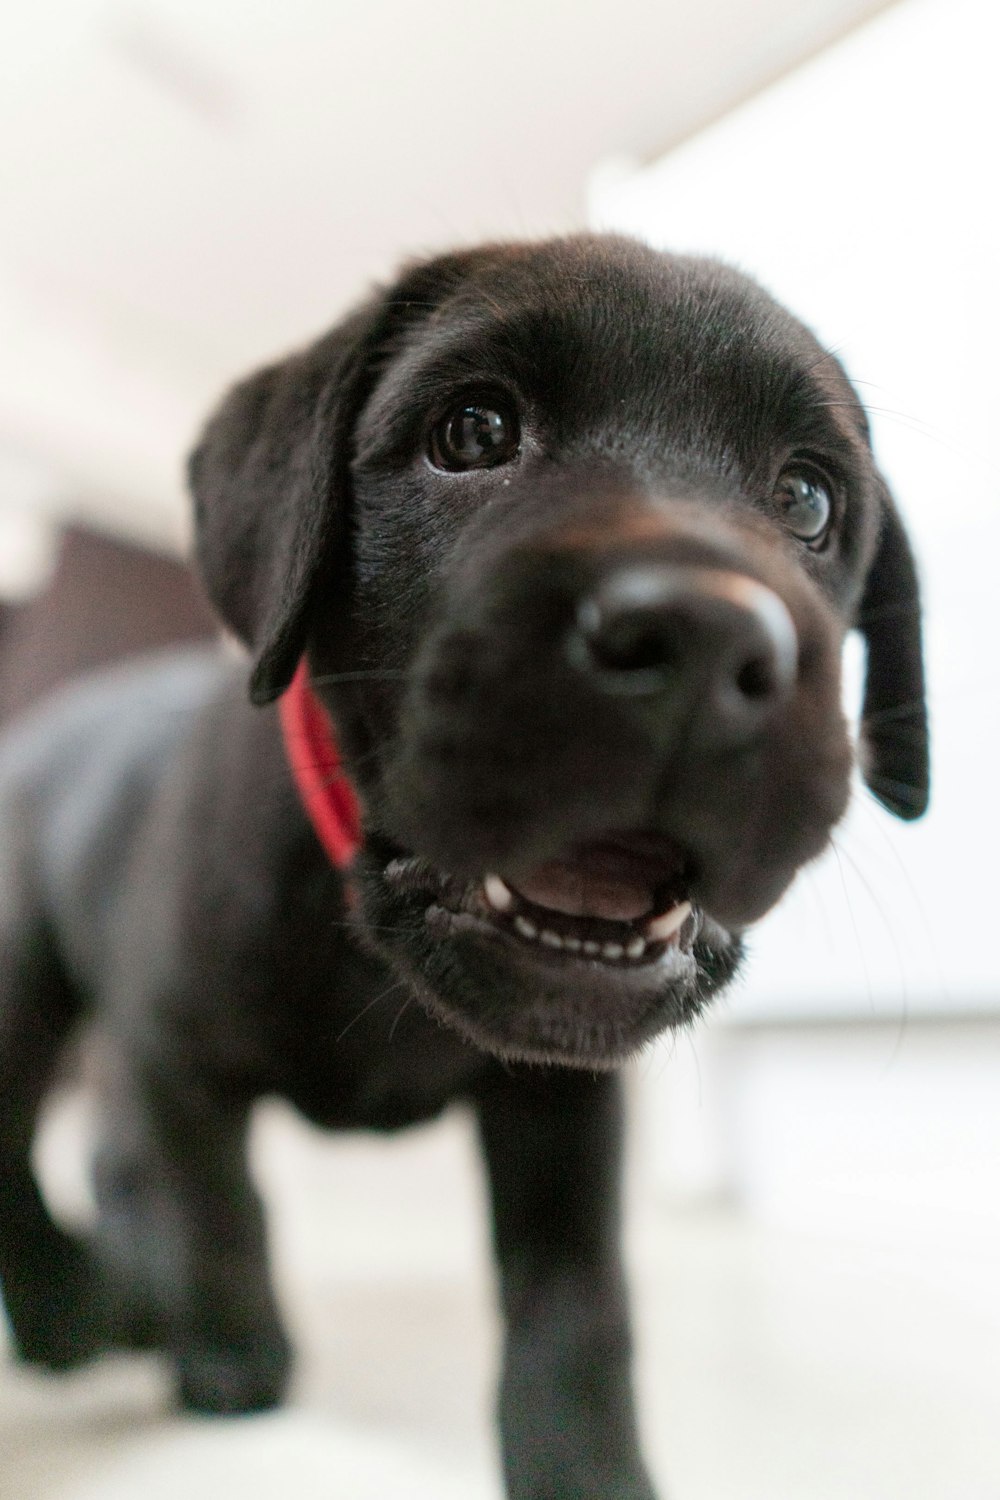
714 638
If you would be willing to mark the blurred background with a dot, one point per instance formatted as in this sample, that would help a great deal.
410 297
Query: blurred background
188 189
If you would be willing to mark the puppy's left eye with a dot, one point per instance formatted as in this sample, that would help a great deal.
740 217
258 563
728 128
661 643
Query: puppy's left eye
803 502
475 436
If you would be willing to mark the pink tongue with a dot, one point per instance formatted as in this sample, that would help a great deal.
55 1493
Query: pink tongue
587 892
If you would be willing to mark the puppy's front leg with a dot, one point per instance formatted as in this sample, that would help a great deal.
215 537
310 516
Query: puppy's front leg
552 1141
182 1232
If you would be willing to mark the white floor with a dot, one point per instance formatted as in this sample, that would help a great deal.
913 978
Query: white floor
771 1366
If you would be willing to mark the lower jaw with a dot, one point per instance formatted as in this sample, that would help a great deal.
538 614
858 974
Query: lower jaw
555 1008
560 1035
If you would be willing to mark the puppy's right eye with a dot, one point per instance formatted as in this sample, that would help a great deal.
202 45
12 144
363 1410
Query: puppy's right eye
475 436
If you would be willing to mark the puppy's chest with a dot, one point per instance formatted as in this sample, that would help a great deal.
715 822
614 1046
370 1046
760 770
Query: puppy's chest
367 1056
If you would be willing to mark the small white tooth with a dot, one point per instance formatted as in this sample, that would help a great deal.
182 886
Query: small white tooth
497 894
525 928
591 948
573 944
659 929
636 948
612 950
550 939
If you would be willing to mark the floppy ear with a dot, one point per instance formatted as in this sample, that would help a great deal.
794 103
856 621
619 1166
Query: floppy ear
894 714
268 477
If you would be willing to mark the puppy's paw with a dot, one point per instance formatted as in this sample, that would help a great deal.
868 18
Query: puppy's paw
226 1383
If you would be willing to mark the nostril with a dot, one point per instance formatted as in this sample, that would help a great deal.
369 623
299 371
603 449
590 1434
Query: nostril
757 679
628 640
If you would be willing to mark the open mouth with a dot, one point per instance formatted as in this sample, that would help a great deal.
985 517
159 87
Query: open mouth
621 901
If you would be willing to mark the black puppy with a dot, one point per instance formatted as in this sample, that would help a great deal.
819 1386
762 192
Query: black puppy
568 537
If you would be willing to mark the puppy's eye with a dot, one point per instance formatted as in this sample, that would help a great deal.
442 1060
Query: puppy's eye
475 436
803 502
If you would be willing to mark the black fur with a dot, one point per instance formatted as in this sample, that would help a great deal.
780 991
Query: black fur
158 876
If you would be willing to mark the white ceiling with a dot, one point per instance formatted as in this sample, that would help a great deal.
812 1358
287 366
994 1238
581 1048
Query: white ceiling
187 187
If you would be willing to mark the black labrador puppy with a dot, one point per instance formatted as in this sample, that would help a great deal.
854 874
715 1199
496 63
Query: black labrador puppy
557 546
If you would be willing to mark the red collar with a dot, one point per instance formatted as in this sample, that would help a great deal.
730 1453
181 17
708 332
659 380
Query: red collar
314 758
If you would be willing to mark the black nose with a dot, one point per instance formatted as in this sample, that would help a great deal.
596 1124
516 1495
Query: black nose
716 641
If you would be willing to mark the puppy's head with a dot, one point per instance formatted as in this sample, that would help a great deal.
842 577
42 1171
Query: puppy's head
571 535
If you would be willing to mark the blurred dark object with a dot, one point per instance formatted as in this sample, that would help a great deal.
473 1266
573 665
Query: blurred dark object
107 600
